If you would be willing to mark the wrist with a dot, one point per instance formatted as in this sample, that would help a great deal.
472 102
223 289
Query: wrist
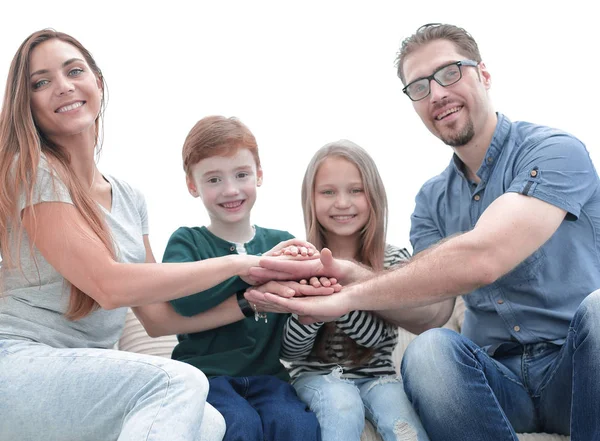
243 263
244 305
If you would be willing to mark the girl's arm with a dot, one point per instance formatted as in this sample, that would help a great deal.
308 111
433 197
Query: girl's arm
298 339
68 244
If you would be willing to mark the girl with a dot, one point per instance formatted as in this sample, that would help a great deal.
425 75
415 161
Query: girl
343 369
75 251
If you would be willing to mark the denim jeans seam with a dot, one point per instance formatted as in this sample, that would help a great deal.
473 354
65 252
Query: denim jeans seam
502 414
556 365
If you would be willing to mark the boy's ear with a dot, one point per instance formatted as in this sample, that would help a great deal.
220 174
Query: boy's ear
191 185
259 177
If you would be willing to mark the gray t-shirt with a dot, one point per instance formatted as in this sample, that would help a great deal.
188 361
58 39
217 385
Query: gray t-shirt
35 299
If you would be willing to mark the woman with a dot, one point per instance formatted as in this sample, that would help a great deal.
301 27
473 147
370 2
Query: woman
68 238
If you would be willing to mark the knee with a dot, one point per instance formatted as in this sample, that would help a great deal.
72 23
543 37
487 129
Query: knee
337 395
432 349
213 425
588 314
184 378
431 360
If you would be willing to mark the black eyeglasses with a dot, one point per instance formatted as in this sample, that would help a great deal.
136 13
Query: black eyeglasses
444 76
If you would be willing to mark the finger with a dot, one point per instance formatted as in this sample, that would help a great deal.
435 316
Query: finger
254 296
337 287
292 305
309 290
314 281
303 282
333 280
279 289
326 257
324 281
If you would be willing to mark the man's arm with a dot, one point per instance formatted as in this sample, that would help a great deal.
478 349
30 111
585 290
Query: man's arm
511 229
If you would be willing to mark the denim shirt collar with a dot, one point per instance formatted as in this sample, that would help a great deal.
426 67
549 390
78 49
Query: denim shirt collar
501 134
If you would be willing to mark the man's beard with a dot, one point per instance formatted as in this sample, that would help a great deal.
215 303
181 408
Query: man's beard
463 137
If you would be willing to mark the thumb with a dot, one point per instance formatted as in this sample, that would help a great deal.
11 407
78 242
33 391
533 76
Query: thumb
326 257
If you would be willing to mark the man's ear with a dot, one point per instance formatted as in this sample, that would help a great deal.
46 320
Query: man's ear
486 78
259 177
191 185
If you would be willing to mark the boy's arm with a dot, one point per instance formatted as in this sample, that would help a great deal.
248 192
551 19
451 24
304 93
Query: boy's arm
298 339
184 247
161 318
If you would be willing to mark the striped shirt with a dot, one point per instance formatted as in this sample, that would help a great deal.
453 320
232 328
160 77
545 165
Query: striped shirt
363 327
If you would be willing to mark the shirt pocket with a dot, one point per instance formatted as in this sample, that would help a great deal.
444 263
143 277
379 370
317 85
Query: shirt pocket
528 269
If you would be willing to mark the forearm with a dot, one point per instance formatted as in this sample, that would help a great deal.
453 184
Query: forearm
420 319
161 319
455 267
116 284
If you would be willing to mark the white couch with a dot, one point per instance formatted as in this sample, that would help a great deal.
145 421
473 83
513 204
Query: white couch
135 339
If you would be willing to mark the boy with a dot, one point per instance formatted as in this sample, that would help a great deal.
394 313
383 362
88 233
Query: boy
240 355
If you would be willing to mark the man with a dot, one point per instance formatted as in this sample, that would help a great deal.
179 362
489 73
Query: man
513 225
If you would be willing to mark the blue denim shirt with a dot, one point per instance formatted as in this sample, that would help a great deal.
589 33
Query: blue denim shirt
536 301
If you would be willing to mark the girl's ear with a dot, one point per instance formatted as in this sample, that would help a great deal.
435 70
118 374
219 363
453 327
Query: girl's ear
259 177
191 185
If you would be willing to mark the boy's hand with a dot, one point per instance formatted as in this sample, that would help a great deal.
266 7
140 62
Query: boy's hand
296 248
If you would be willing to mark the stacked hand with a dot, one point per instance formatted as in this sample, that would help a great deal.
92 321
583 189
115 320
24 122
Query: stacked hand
292 272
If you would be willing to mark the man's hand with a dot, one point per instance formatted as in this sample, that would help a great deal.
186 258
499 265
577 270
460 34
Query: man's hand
286 289
287 269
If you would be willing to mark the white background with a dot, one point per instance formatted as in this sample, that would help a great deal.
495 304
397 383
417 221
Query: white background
301 74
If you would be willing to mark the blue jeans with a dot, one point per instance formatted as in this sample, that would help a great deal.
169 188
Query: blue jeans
100 394
461 393
262 408
341 406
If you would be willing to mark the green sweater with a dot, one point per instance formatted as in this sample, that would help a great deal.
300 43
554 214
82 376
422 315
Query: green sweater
244 348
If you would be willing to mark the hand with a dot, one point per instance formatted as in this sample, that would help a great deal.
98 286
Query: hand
285 269
294 248
317 308
256 294
318 282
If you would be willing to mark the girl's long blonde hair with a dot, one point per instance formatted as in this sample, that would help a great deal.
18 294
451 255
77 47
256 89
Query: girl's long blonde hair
22 144
371 251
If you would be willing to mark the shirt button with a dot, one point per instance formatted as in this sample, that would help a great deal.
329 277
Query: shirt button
490 159
232 248
517 328
533 173
500 302
476 197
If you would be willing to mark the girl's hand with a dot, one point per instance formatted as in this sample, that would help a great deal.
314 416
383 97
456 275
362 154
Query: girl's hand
296 248
318 282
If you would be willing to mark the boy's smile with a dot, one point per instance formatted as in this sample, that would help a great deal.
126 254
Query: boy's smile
227 186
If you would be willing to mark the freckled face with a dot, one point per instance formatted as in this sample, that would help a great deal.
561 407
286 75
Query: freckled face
227 186
65 93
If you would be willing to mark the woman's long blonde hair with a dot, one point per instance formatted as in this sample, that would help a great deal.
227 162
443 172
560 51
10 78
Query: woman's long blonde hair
371 251
22 144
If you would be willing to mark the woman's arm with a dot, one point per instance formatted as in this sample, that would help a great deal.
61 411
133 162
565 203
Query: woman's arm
68 244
